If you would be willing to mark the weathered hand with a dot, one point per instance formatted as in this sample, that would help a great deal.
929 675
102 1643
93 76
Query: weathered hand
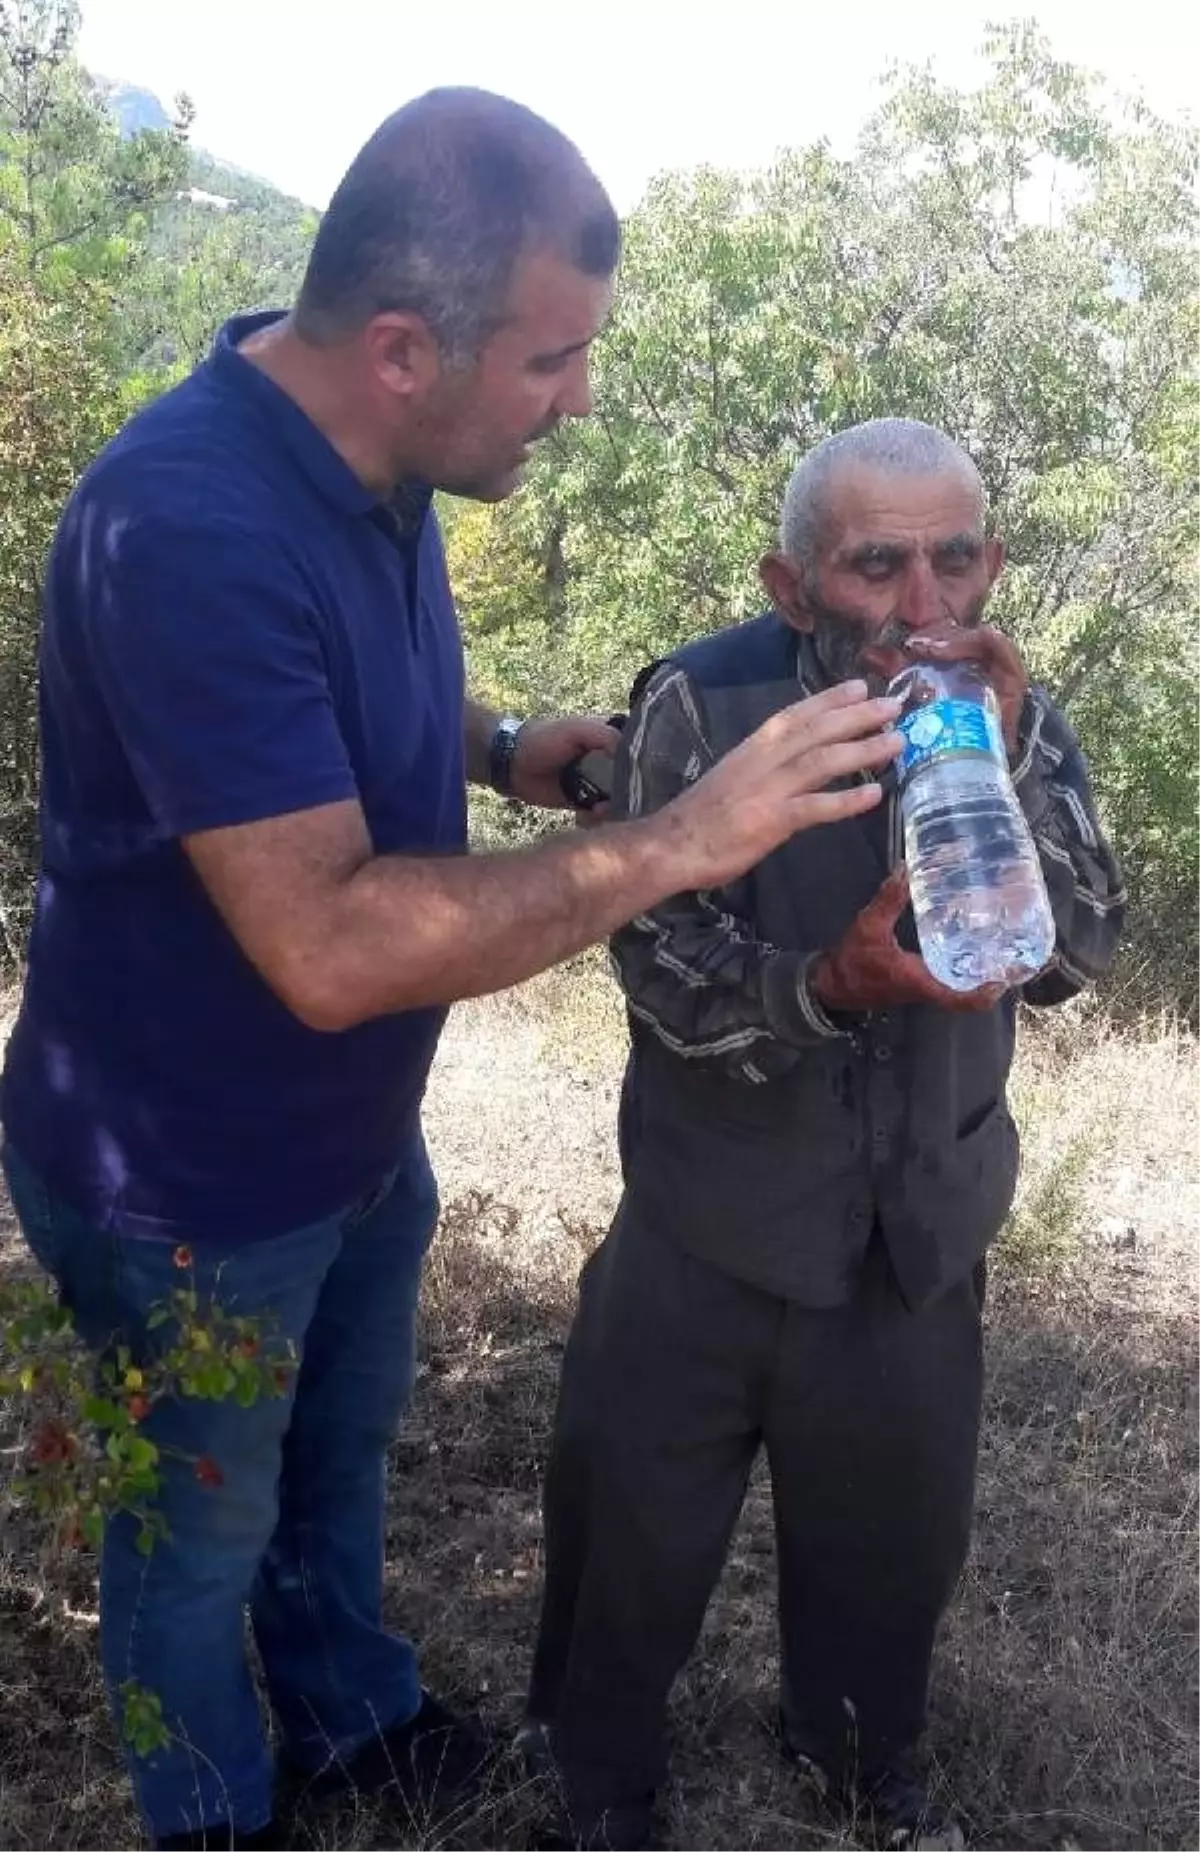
544 747
998 659
870 970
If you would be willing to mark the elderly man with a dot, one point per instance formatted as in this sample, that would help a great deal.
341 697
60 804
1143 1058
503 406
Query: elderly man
817 1153
254 907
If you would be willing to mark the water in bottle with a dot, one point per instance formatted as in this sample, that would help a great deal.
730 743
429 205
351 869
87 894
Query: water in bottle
982 913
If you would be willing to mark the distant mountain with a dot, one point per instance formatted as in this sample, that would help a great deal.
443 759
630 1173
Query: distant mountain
228 240
132 109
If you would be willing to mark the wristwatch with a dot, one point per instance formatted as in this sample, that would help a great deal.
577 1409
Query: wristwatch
501 753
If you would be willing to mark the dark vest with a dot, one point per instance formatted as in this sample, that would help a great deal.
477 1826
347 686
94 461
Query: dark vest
901 1128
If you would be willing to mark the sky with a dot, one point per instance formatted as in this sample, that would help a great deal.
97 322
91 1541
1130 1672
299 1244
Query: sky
640 85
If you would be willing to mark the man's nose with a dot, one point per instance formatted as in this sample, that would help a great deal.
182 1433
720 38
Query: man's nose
575 397
921 605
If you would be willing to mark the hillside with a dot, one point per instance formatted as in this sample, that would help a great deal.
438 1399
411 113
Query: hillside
230 240
136 111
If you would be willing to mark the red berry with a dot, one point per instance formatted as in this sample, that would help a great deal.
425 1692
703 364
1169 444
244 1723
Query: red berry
207 1471
248 1347
51 1443
138 1407
182 1256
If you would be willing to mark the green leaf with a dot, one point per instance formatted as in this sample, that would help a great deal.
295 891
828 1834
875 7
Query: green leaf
141 1453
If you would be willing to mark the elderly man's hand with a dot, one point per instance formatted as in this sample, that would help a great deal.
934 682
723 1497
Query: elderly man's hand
870 970
998 659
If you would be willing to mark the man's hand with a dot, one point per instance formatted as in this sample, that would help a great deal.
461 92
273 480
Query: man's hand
870 970
999 661
773 784
544 747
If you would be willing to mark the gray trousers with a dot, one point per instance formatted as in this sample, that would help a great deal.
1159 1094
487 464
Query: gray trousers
675 1373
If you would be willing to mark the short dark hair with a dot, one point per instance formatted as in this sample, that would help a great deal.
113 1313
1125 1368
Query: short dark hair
434 211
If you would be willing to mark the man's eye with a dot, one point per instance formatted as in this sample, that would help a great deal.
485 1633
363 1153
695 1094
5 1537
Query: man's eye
876 569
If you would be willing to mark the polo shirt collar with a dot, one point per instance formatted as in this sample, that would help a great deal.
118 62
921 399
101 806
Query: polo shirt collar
325 468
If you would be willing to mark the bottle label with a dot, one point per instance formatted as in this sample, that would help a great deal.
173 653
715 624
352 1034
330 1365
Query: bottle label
947 729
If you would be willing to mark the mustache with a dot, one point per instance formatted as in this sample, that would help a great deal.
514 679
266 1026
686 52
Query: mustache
847 646
893 635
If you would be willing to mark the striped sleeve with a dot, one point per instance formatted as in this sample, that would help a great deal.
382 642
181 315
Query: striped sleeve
1083 879
694 972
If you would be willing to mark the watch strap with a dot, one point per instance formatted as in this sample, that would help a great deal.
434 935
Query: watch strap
501 753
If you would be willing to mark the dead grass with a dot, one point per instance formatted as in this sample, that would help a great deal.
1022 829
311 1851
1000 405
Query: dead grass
1065 1710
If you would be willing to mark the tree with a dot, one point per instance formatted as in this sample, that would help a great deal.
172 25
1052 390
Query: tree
73 190
59 401
206 262
1015 264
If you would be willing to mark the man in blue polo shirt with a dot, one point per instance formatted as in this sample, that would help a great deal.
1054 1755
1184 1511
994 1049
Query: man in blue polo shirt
254 908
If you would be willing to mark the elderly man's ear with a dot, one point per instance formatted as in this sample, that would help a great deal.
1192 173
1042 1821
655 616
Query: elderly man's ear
783 582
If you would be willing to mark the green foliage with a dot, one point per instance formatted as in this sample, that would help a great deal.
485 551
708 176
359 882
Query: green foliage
88 1448
89 1424
228 242
60 399
1015 264
73 191
142 1722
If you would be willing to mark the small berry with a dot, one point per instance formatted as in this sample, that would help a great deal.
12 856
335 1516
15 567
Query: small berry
52 1443
138 1407
208 1472
182 1256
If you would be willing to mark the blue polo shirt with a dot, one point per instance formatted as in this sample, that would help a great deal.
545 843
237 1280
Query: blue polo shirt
235 629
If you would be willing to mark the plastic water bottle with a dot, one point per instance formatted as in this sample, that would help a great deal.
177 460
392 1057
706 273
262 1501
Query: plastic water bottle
982 913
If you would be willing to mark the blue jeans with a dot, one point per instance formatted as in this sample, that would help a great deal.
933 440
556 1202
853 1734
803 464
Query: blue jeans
295 1534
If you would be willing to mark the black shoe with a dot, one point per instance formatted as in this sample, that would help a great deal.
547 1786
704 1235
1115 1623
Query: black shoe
891 1809
635 1826
899 1813
534 1750
268 1838
434 1763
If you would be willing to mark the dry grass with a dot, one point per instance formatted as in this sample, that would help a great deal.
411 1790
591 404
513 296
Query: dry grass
1065 1708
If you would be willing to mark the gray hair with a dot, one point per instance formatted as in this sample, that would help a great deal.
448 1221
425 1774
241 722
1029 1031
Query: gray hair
434 211
892 446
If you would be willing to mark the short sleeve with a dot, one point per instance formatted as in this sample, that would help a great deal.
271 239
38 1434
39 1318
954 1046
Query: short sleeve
207 651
